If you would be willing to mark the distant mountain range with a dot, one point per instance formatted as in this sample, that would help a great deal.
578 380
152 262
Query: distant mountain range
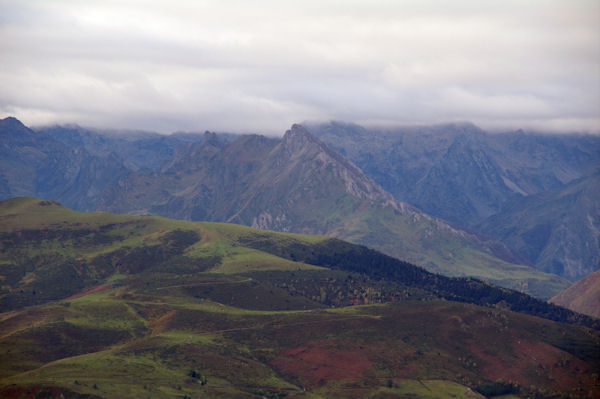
557 230
459 172
536 193
300 184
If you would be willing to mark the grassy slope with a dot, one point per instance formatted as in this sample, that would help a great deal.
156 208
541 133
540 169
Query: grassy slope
583 296
412 240
215 238
258 334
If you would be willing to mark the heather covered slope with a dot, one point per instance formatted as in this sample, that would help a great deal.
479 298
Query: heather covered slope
118 306
159 341
299 184
583 296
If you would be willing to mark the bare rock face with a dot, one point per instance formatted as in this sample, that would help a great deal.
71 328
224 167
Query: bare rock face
459 172
299 145
520 188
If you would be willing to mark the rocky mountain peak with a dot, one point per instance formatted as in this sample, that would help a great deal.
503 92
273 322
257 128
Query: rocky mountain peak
300 148
12 125
298 140
210 136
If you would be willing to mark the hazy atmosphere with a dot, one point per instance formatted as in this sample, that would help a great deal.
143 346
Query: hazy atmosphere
258 66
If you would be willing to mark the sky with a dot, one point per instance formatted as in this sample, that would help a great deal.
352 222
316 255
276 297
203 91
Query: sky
260 66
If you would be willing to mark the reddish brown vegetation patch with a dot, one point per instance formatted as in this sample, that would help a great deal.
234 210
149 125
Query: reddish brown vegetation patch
536 361
163 323
39 391
99 288
320 361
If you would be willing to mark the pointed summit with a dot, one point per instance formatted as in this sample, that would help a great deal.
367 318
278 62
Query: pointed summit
12 125
308 159
298 139
297 130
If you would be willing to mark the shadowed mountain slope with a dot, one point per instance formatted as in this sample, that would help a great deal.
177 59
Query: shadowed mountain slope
515 187
37 164
558 230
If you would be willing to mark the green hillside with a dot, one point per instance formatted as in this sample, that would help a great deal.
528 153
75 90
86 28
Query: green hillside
115 306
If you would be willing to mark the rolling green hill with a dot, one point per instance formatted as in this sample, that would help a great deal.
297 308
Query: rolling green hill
118 306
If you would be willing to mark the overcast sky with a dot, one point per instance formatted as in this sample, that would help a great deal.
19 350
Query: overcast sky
259 66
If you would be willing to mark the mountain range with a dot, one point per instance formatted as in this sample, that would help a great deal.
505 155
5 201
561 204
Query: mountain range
296 183
501 184
98 305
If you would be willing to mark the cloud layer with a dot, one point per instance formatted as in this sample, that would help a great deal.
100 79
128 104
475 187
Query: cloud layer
259 66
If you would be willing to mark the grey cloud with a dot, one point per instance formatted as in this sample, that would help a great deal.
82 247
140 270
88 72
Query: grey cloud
260 66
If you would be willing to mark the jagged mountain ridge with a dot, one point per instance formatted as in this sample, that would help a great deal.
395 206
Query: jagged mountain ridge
295 184
478 173
35 163
215 180
299 184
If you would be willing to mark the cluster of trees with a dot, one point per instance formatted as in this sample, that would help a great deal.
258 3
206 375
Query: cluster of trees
341 255
198 376
498 388
337 288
